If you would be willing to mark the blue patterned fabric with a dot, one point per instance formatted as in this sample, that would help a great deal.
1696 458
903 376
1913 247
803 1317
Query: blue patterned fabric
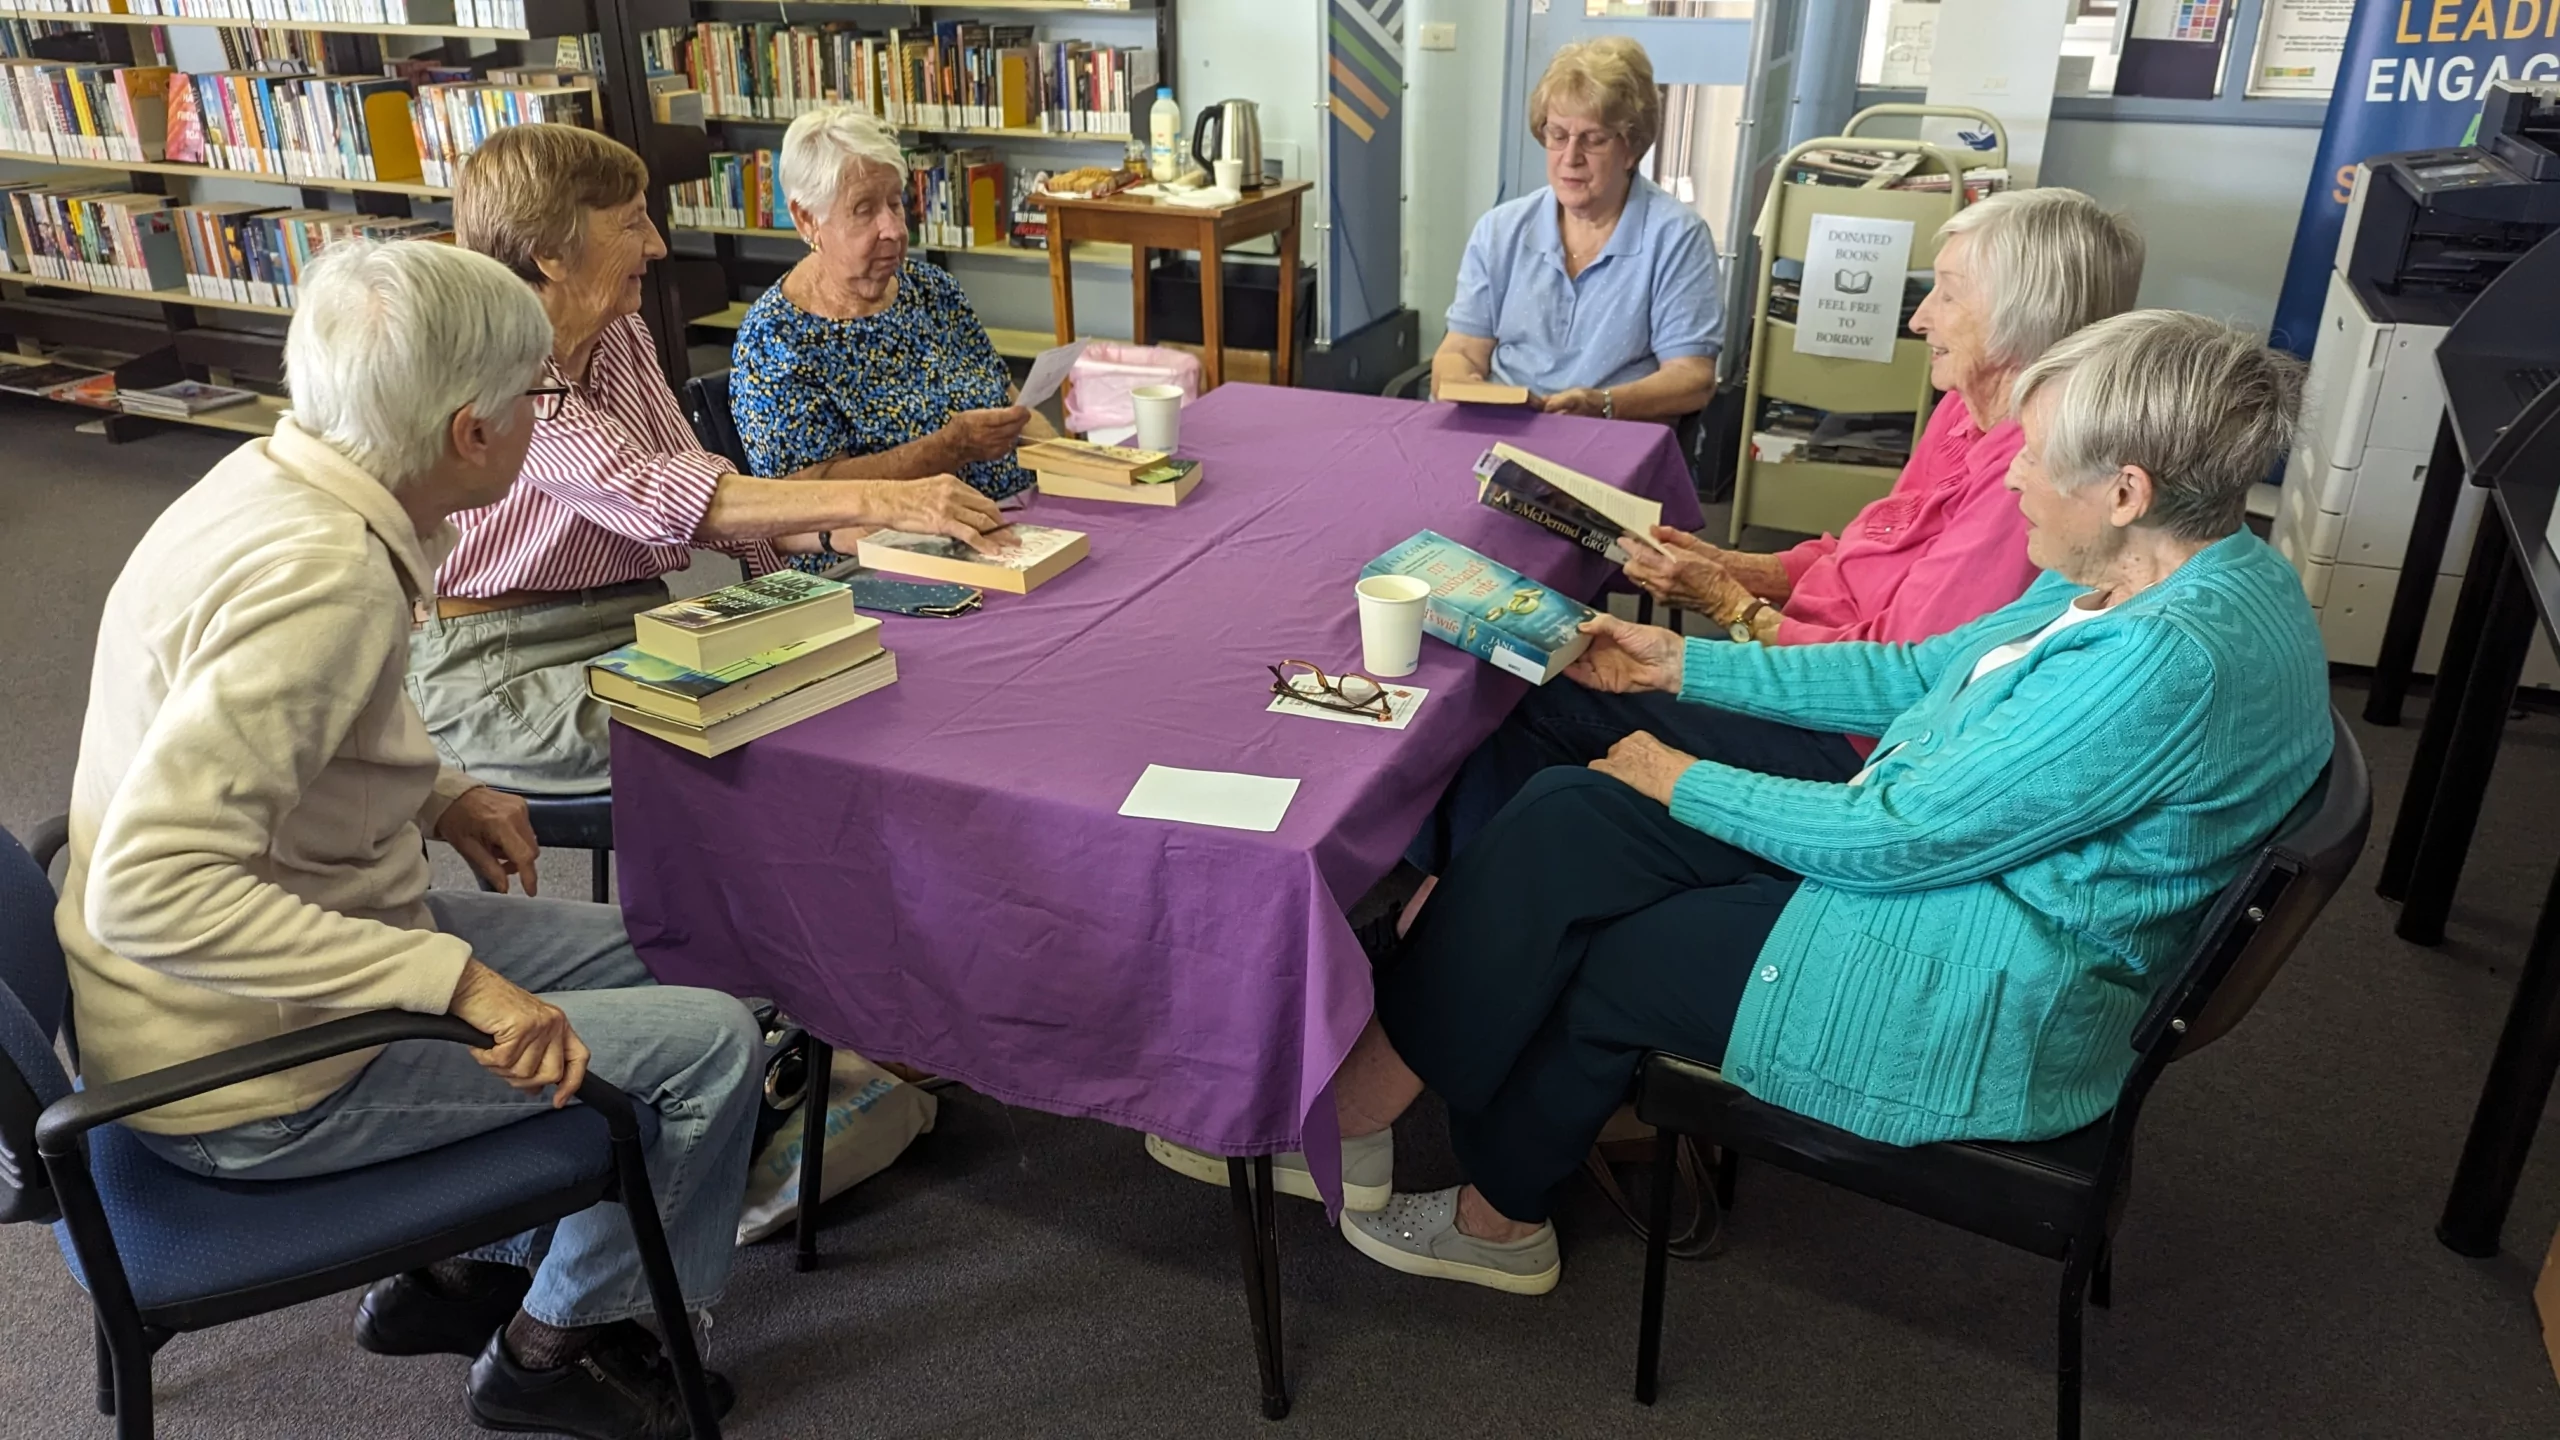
804 390
184 1237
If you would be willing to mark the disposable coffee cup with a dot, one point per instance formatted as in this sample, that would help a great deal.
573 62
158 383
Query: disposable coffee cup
1391 624
1159 410
1230 175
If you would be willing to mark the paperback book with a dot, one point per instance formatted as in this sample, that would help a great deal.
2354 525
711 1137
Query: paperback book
635 678
731 624
1564 501
1480 392
1086 460
1490 610
721 736
1025 558
1166 484
184 398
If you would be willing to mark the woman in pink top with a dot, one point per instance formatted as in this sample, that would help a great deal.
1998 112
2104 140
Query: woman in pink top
2016 272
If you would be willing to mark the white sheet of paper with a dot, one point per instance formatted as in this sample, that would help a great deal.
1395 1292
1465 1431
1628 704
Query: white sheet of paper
1048 371
1402 702
1112 434
1851 303
1210 797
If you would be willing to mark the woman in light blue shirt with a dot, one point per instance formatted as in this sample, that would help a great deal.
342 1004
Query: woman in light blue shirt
1599 291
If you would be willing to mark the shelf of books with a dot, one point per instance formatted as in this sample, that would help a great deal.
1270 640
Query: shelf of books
969 92
461 19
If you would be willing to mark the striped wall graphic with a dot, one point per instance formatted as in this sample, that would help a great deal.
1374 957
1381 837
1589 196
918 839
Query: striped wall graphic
1365 62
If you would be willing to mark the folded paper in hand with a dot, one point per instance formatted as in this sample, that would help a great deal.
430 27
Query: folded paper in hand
1048 370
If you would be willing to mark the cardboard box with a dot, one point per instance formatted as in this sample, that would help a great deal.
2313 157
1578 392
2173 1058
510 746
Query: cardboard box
2546 1302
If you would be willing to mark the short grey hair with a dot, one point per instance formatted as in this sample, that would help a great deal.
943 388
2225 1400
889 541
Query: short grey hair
2050 261
2204 407
392 337
820 145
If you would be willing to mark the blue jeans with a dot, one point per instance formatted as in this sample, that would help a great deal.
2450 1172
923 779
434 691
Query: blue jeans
1562 723
691 1055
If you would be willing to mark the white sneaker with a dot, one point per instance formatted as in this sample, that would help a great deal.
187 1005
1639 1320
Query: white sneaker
1419 1235
1368 1169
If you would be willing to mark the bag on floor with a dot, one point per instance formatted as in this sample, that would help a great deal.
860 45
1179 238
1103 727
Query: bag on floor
872 1116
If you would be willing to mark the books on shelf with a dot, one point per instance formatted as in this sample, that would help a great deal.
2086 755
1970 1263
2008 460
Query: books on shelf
1792 433
255 255
319 127
83 112
954 198
471 14
638 680
450 119
1488 609
951 75
1589 512
49 379
99 235
735 622
743 191
1880 170
182 399
721 736
1025 558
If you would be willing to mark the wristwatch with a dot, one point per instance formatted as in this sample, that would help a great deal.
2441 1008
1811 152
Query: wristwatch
826 542
1741 628
1608 407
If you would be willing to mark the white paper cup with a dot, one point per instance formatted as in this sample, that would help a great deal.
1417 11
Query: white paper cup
1391 624
1159 410
1230 175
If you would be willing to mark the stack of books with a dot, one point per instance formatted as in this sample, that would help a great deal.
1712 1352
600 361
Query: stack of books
1083 470
1876 170
1788 433
181 400
712 673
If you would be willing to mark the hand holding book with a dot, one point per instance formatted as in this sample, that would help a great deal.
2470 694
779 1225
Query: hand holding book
941 505
1679 569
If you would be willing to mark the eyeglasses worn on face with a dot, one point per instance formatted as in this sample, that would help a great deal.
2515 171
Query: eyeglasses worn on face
1349 694
1590 142
547 400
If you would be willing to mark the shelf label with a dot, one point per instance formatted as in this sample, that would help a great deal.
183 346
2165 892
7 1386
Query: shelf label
1851 303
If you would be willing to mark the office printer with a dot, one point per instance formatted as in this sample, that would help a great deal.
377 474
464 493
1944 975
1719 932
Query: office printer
2429 229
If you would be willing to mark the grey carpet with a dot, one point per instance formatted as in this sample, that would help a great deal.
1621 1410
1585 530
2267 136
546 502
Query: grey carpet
1020 1274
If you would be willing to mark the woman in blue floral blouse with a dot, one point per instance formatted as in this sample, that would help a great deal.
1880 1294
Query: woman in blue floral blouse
864 351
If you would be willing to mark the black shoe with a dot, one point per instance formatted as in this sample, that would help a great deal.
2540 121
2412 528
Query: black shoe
404 1315
620 1388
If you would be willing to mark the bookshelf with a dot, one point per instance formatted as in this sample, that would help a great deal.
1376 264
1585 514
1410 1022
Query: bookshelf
747 258
165 333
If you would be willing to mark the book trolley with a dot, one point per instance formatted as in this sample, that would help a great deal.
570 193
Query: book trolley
1806 496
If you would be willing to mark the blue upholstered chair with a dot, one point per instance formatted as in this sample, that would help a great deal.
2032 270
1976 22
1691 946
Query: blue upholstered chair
161 1250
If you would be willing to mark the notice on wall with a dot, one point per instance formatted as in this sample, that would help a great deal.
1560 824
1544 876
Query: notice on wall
1851 305
2299 42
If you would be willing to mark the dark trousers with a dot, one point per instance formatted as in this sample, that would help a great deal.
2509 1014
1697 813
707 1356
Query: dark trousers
1582 927
1562 723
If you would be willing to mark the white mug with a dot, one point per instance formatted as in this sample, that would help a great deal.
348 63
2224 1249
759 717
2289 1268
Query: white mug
1391 609
1159 414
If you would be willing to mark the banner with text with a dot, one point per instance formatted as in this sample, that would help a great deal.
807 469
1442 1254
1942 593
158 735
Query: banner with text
1851 301
2411 79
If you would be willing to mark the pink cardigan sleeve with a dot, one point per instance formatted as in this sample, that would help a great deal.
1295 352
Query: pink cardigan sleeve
1978 565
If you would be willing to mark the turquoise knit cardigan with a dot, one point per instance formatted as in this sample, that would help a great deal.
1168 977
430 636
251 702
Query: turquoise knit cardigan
1983 921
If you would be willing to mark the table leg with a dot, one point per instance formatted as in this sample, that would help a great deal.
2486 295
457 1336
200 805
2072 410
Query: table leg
1062 290
2511 1102
1258 1237
2471 750
2438 497
1213 312
1138 294
2453 673
1284 369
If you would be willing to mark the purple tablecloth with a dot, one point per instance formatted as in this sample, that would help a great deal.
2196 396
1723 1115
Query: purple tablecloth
937 873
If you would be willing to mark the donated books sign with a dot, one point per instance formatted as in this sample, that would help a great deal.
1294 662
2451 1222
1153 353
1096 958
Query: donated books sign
1851 305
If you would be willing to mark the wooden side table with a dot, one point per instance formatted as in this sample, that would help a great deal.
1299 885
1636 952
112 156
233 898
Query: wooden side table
1144 225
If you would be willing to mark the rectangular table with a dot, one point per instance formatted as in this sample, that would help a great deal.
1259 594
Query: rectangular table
937 873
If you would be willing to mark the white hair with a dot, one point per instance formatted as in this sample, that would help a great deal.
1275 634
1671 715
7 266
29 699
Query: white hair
392 337
823 143
2205 408
2049 260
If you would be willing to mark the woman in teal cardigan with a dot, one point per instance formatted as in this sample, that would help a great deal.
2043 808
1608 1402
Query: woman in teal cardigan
1954 944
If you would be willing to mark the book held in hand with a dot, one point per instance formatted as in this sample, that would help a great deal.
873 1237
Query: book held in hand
721 736
1490 610
1480 392
1024 557
731 624
636 679
1553 497
1164 485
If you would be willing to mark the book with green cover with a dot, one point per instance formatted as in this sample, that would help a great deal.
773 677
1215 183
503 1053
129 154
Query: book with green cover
1490 610
634 677
735 622
721 736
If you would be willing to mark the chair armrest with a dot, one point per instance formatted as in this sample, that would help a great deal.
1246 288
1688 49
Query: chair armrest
74 1115
49 837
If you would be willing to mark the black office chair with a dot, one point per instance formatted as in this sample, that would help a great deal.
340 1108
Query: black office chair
574 822
706 408
162 1250
2058 1198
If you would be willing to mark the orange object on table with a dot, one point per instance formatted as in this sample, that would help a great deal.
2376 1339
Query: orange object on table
1144 224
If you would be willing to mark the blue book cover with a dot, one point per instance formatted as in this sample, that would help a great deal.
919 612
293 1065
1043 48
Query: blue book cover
1488 609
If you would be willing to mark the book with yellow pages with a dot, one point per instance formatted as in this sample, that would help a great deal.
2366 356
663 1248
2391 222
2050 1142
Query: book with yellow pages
1085 460
737 621
1480 392
722 736
632 676
1023 557
1166 484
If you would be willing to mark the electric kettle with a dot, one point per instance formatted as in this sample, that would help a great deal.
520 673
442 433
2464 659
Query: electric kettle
1230 130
